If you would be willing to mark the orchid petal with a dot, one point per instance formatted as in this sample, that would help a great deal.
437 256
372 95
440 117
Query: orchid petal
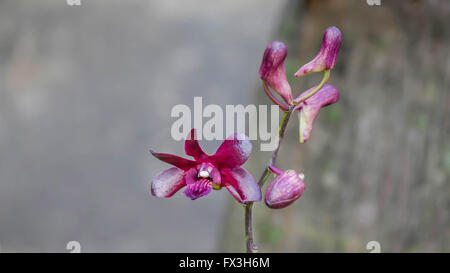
168 182
309 109
272 70
174 160
233 152
192 147
190 176
327 56
241 185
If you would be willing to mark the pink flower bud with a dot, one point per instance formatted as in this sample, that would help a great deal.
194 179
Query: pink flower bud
327 56
272 70
284 190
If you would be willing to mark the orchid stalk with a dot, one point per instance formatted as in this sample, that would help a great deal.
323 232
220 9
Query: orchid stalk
288 185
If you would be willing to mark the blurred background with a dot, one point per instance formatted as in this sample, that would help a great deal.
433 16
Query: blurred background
86 90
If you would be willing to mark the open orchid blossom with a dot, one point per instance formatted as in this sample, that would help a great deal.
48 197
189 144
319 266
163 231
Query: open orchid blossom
327 56
273 74
309 109
207 172
287 187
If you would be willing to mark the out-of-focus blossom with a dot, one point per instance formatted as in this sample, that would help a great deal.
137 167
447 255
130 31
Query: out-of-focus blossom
327 56
272 70
207 172
287 187
309 109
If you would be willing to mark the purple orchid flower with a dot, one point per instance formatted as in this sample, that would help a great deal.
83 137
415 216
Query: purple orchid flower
309 109
207 172
327 56
287 187
272 71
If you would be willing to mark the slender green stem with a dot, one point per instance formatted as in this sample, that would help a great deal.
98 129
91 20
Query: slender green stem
326 76
251 246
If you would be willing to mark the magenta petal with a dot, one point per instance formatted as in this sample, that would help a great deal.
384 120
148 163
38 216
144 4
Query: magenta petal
272 70
174 160
168 182
327 56
309 109
233 152
192 147
241 185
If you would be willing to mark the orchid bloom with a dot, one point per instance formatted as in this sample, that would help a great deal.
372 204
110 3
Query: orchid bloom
273 74
287 187
207 172
327 56
309 109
